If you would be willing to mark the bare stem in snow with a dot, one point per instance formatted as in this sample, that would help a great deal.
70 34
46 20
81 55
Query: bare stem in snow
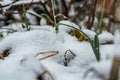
102 15
65 57
91 14
64 8
45 72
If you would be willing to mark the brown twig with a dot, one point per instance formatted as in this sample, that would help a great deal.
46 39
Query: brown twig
62 17
102 16
1 6
51 12
79 11
91 14
64 8
46 52
50 55
53 54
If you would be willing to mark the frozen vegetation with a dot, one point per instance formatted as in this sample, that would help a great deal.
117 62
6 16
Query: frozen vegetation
62 50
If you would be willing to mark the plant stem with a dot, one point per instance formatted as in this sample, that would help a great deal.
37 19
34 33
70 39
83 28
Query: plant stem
25 17
102 15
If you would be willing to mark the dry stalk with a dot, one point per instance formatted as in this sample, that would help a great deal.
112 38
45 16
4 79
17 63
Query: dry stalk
62 16
52 11
102 15
79 11
50 55
46 52
91 14
115 69
1 6
45 72
64 8
65 57
53 54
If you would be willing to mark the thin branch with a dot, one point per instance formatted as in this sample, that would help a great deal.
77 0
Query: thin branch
102 15
1 6
50 55
46 52
91 14
64 8
79 11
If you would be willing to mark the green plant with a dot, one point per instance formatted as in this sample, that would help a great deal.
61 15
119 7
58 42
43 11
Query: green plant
94 43
25 19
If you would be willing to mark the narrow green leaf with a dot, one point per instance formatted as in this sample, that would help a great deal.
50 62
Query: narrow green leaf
96 46
25 18
94 43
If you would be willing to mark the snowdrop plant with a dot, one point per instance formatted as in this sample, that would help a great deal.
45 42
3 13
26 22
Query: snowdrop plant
94 43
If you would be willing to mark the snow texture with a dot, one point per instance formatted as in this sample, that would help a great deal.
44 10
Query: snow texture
21 63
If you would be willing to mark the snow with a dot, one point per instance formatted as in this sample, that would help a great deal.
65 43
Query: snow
5 2
101 69
13 68
22 64
72 11
43 21
105 37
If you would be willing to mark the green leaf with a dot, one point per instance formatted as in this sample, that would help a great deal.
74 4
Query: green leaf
96 46
94 43
25 18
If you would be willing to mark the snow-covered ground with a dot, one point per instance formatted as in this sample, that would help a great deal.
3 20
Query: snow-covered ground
23 64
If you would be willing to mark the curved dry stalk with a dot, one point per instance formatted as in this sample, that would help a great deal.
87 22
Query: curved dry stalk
65 56
46 72
63 16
